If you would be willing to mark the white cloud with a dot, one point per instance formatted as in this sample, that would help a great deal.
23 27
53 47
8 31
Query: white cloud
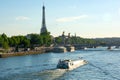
70 19
22 18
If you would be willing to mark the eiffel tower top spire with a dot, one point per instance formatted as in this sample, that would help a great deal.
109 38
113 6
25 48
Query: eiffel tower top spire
43 28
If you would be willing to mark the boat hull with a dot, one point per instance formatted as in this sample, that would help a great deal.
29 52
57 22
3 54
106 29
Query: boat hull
68 64
77 64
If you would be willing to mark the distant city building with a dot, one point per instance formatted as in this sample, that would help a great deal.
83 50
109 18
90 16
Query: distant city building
65 38
43 28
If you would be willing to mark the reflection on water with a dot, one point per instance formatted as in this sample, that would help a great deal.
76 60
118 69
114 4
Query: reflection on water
103 65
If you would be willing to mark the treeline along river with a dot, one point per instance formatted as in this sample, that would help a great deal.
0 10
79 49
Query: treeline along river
103 65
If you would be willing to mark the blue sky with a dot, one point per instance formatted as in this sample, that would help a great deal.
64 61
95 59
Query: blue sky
86 18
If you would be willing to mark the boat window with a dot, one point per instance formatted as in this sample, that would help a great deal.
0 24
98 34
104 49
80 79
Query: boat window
71 63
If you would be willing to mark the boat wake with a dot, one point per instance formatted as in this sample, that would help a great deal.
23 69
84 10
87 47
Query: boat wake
52 74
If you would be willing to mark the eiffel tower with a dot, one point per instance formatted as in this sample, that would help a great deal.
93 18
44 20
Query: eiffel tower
43 28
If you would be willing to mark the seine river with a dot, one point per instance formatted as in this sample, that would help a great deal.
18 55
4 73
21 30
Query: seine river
103 65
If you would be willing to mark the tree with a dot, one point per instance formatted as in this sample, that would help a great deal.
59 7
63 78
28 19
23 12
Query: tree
58 40
14 41
26 43
5 45
35 40
11 42
1 41
46 38
4 39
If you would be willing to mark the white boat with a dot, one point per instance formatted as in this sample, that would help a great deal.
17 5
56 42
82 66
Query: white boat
70 64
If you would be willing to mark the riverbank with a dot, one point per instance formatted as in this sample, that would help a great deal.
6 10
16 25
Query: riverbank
38 50
31 52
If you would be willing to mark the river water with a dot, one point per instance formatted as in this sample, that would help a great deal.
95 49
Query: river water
103 65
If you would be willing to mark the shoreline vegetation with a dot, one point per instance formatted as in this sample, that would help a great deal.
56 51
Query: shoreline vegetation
36 43
24 45
42 43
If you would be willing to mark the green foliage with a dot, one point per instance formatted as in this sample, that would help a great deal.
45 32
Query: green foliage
24 42
58 40
21 41
4 41
75 40
1 41
35 39
46 38
108 41
4 37
40 40
5 45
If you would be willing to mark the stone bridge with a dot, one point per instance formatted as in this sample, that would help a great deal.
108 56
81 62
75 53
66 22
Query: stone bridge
83 46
